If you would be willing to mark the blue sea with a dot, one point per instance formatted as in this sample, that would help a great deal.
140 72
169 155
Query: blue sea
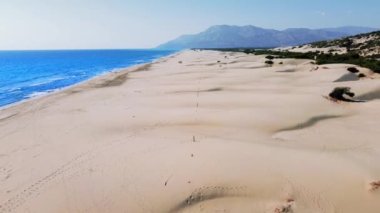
26 74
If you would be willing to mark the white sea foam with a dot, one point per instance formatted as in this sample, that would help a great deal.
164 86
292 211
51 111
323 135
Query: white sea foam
39 94
47 81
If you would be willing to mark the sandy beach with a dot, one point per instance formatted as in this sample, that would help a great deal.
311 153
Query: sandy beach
197 132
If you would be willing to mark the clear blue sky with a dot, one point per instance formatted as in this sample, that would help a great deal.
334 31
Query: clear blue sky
73 24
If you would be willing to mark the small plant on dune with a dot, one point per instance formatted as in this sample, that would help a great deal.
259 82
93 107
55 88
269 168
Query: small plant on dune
249 51
269 62
347 43
353 69
338 93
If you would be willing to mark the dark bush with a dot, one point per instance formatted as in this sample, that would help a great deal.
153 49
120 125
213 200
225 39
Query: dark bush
361 75
248 51
353 69
270 57
269 62
338 93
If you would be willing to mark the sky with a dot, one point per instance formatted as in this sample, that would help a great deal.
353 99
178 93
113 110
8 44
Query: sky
120 24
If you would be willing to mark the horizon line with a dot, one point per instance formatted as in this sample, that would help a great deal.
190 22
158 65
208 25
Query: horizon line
80 49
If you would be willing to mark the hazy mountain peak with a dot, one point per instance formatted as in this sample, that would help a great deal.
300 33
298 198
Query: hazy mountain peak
229 36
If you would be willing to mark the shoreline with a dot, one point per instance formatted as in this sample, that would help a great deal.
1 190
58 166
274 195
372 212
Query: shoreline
118 70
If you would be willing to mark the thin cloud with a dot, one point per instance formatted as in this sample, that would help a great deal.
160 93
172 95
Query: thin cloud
321 13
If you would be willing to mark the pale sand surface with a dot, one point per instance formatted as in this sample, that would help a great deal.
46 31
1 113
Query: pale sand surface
196 136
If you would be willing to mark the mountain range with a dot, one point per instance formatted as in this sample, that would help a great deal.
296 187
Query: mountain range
227 36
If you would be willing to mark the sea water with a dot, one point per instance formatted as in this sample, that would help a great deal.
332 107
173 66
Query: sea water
26 74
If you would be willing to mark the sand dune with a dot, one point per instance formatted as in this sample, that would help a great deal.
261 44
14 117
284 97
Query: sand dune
196 132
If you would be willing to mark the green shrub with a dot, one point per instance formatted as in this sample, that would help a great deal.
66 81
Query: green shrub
353 69
349 58
269 62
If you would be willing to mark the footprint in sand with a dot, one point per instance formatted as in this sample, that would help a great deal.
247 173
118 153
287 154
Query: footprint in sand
375 185
209 193
286 208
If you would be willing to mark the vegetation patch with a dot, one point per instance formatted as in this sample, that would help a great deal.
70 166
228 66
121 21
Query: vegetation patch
341 93
320 58
362 50
269 62
353 70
